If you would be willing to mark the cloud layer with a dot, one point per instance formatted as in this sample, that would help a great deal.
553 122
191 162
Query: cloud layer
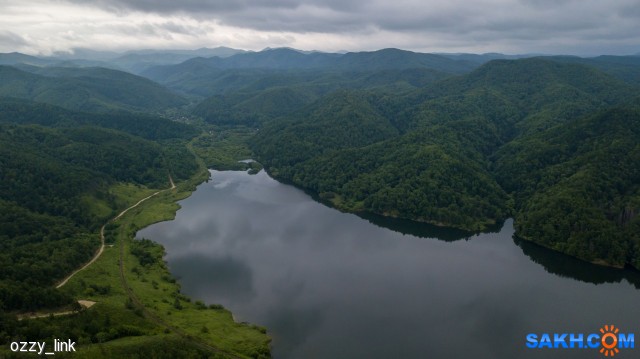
583 27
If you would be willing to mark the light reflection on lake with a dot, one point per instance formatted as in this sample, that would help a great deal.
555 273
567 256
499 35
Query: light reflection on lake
328 284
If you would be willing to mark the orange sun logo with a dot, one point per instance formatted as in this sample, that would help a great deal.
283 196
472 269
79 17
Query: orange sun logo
609 340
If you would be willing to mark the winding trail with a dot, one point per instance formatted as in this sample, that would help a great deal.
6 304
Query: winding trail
101 249
95 257
84 303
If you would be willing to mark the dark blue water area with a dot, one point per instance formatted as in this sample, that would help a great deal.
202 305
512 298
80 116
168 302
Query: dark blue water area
329 284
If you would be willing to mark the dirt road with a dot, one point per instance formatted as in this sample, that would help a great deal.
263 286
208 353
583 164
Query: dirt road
101 249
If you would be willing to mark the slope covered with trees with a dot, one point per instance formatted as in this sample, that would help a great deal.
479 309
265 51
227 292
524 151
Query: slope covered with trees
578 186
317 73
63 175
272 94
471 150
52 179
86 89
20 111
58 165
290 59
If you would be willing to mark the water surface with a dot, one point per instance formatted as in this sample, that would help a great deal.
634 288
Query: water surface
328 284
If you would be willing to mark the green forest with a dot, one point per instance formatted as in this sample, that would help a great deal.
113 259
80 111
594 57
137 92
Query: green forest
48 223
470 151
64 174
454 141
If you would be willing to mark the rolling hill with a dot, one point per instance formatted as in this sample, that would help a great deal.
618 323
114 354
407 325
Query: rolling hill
86 89
463 152
204 76
20 111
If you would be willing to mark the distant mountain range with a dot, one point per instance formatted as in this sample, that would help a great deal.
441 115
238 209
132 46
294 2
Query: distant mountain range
14 58
157 64
87 89
208 76
211 71
165 65
131 61
284 58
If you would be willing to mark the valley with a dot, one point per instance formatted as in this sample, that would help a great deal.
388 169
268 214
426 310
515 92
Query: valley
451 145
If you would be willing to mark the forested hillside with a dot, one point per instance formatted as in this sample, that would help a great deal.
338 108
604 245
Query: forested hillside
290 59
626 68
316 73
86 89
147 126
77 147
462 152
578 186
47 176
55 186
273 94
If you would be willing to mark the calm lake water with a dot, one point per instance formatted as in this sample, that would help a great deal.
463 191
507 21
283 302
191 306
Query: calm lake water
328 284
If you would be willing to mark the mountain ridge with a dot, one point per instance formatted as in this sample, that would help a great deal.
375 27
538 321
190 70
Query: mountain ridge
87 89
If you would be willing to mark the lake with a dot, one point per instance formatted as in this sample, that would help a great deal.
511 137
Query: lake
329 284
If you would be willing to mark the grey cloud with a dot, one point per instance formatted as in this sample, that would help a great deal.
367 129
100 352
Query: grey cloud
176 28
345 16
224 6
164 29
458 20
630 11
195 7
279 15
540 26
518 24
547 3
12 40
300 16
303 20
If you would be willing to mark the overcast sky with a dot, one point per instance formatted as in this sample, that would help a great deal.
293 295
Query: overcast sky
581 27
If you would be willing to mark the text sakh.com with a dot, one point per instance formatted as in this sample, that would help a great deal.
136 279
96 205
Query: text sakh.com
608 340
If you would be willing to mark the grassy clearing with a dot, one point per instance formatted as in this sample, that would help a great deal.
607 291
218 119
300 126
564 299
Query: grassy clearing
102 206
127 194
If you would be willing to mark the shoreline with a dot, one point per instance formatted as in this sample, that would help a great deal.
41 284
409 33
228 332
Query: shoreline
151 295
486 228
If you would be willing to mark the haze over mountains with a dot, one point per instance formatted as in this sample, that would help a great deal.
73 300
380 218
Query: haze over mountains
132 61
167 65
